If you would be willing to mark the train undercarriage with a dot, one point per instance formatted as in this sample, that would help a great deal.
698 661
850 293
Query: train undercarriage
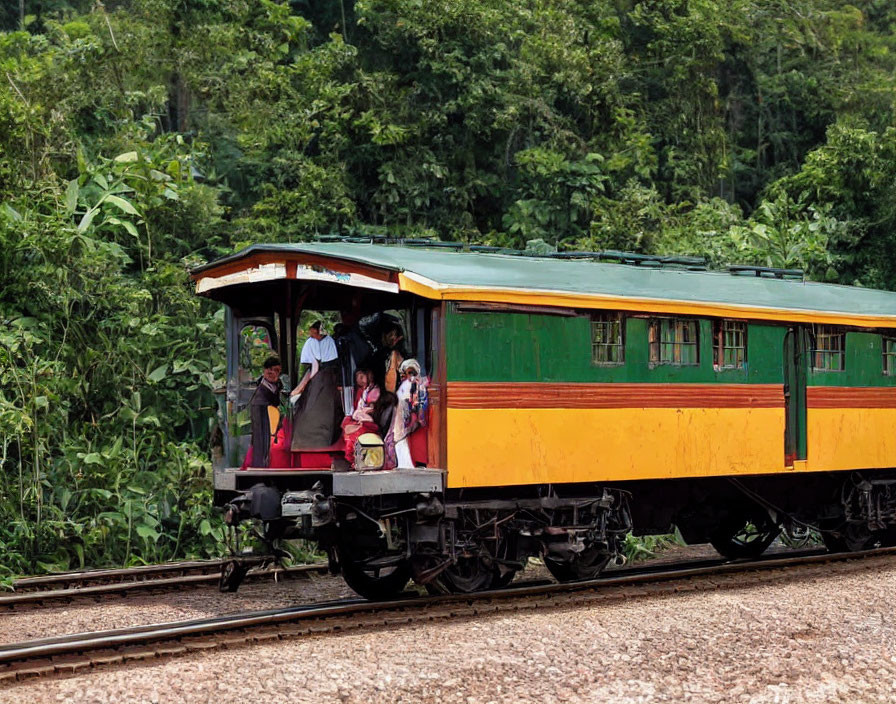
382 531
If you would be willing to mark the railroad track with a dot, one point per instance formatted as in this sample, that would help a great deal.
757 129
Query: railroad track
74 653
62 588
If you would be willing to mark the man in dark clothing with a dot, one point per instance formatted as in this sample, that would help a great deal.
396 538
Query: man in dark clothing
266 395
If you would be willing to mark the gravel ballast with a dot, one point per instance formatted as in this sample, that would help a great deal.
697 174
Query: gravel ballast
83 615
826 638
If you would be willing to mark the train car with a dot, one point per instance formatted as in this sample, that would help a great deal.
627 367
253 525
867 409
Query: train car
573 399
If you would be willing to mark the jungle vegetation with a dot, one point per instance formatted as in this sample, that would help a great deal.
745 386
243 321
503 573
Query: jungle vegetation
141 137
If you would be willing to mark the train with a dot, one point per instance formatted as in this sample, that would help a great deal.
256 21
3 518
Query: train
574 398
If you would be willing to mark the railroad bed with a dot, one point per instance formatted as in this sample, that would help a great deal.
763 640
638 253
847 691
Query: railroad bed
97 584
74 653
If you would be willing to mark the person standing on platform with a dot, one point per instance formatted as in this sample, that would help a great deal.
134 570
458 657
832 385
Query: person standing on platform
394 356
318 412
411 411
266 395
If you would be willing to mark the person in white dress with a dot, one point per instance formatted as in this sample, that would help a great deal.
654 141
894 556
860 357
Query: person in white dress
318 412
411 396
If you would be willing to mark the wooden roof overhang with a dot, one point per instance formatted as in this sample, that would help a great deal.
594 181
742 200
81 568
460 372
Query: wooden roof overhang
254 280
257 266
531 281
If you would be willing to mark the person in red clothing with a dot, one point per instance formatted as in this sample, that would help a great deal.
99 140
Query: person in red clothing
361 421
366 391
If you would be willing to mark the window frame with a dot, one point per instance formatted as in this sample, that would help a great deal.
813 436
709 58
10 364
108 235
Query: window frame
888 370
720 329
656 345
609 318
822 333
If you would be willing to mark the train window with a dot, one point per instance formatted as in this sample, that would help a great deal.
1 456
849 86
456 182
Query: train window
673 341
829 353
729 344
607 344
889 348
257 342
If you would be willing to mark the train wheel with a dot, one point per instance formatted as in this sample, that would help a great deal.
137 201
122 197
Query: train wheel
588 564
852 538
502 580
740 538
887 538
376 583
796 537
469 574
232 575
505 571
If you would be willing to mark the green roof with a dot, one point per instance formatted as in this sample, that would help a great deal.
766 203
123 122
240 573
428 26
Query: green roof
585 278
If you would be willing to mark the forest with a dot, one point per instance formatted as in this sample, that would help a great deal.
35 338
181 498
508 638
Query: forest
139 138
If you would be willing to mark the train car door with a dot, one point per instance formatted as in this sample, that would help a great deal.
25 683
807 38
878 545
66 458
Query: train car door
796 367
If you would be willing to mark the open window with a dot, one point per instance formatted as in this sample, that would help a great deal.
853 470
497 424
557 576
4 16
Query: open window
251 340
257 342
829 349
729 344
673 341
607 338
888 345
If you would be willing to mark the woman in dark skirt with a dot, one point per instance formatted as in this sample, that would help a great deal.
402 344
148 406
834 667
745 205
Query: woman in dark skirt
318 413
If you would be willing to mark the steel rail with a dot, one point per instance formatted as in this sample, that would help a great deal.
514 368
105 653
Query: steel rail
110 576
106 576
74 652
128 581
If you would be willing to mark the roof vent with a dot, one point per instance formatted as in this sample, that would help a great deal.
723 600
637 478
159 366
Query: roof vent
329 238
432 243
490 249
767 272
382 239
652 261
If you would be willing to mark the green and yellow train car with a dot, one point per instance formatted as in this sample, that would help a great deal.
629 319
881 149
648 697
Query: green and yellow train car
574 398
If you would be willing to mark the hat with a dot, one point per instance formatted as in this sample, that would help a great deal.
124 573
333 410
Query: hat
410 364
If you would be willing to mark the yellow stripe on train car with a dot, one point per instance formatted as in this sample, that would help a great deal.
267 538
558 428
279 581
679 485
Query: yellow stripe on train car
501 447
846 438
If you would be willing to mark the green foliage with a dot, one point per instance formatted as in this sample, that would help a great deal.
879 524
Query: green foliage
559 195
103 377
142 136
791 235
646 547
852 178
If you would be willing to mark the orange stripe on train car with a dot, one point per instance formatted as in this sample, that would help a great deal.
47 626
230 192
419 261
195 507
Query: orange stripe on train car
466 394
850 397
